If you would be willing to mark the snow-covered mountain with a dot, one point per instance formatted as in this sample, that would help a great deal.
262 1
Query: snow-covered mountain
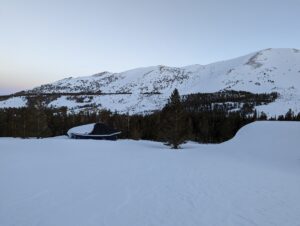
146 89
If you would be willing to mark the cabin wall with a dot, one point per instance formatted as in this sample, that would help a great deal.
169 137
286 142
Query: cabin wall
86 137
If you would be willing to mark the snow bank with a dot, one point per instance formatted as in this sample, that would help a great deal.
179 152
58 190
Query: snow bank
269 143
86 182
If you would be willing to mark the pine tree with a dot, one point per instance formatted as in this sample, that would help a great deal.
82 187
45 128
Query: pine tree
173 121
263 116
289 115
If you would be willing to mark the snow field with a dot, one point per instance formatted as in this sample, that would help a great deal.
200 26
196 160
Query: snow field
252 179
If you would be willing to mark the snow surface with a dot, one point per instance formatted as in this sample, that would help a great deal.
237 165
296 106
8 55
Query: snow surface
84 129
252 179
14 102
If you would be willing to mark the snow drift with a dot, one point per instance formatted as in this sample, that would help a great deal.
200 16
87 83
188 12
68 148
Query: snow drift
251 180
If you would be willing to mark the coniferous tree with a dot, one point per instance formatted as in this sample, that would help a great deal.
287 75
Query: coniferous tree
173 121
289 115
263 116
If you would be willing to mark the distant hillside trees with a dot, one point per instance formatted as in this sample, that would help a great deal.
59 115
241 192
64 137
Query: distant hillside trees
203 117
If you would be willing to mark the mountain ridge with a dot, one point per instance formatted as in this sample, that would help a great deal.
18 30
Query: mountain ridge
265 71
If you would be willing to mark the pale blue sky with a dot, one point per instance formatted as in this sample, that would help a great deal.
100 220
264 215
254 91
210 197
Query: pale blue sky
43 41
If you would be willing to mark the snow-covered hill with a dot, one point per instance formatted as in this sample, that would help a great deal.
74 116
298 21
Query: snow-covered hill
251 180
269 70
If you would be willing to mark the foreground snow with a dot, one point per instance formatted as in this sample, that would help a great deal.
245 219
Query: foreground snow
250 180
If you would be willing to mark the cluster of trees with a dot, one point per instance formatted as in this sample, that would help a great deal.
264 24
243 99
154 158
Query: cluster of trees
41 122
183 118
226 100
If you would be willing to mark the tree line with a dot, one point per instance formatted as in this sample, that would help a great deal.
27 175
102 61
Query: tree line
193 117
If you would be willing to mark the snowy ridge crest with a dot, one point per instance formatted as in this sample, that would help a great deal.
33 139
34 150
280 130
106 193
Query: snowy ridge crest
147 89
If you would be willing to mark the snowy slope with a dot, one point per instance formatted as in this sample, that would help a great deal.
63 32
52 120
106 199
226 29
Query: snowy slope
14 102
269 70
251 180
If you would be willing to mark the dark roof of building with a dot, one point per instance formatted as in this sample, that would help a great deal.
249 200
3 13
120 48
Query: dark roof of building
102 129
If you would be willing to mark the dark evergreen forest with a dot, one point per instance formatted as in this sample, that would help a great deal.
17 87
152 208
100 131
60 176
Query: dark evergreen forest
202 117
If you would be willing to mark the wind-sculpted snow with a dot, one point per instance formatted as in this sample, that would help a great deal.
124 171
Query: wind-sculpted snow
251 180
147 89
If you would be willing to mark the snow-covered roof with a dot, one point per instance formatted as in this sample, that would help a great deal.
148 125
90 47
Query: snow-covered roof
84 129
